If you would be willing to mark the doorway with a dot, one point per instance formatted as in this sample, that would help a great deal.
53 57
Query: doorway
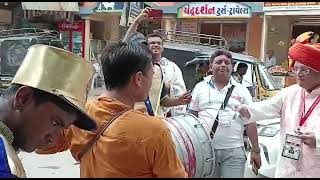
210 29
233 33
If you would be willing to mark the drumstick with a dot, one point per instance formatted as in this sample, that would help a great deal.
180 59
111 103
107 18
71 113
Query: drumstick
158 101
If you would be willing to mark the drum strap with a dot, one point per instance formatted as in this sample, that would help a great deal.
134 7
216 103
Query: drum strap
98 133
223 106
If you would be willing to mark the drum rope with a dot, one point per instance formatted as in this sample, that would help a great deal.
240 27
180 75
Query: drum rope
190 153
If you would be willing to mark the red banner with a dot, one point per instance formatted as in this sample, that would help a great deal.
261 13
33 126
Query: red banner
76 26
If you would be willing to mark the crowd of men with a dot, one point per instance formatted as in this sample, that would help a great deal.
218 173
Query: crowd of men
45 109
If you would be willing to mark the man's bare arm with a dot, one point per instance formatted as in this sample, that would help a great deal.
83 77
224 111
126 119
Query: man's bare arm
170 101
135 24
184 99
253 137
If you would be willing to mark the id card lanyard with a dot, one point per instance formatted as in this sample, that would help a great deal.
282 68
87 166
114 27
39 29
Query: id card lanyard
304 116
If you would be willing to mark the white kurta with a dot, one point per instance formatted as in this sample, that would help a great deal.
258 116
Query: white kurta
172 77
287 105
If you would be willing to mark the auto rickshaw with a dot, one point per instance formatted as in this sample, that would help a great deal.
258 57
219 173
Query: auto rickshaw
257 79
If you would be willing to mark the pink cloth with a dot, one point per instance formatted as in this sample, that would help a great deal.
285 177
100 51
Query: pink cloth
287 106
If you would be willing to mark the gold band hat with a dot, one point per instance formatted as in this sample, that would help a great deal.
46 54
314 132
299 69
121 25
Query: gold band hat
61 73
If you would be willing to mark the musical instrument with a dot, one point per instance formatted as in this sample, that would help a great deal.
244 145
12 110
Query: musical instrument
193 145
153 106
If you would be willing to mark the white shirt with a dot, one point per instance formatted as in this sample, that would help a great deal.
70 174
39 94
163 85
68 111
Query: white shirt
237 77
97 68
172 77
269 62
207 100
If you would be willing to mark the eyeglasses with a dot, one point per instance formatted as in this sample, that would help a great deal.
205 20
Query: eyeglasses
296 71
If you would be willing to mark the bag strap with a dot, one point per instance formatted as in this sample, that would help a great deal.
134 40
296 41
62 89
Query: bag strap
98 133
223 106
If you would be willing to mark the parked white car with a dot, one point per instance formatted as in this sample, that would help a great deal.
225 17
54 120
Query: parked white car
269 142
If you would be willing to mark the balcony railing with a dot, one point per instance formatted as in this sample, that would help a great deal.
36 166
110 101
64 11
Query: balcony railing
193 38
28 32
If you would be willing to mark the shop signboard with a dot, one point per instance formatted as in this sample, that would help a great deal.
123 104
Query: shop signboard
72 35
51 6
134 11
214 10
290 6
66 26
109 7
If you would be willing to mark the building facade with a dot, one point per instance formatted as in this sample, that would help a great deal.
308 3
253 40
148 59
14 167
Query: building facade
103 24
5 16
239 23
284 21
59 16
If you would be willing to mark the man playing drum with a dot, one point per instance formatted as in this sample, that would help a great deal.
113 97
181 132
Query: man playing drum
208 98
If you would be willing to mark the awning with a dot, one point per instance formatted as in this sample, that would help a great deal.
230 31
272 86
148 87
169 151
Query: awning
51 6
312 12
58 15
165 3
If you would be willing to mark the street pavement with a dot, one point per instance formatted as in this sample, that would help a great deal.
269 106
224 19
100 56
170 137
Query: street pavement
94 93
57 165
62 164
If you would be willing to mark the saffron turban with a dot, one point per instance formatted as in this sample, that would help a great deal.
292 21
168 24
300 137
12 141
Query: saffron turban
306 53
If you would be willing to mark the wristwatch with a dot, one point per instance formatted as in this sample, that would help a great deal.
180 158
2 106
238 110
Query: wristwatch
255 149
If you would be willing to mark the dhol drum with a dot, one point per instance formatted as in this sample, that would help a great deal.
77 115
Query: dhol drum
193 145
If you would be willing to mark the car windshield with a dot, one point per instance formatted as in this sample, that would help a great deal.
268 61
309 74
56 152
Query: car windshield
266 79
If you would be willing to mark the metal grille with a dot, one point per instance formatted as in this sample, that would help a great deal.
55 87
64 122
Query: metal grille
58 15
28 32
192 38
308 20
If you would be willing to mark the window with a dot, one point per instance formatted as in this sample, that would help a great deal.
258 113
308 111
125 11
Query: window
148 27
210 29
234 33
249 79
266 79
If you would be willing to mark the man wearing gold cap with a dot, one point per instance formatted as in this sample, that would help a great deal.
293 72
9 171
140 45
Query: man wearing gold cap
128 143
298 107
47 94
